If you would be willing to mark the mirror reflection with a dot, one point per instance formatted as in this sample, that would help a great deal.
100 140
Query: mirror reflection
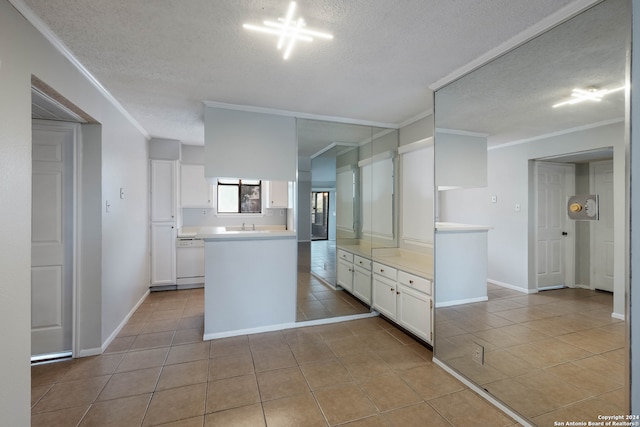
352 185
529 302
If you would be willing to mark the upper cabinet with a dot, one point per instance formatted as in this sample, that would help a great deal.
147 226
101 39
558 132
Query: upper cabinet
195 191
163 190
278 194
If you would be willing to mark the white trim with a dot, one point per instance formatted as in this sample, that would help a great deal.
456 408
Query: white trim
558 133
618 316
416 145
551 288
377 158
416 118
512 287
462 132
77 239
481 392
297 114
95 351
283 326
461 301
115 333
417 242
519 39
330 146
62 48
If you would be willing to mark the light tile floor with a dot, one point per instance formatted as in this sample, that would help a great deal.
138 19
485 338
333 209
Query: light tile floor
553 356
324 260
158 371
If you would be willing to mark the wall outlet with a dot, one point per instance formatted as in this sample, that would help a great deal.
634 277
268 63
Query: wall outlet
494 199
478 354
517 207
204 212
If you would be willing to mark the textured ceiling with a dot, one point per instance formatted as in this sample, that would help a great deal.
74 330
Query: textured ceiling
511 98
161 58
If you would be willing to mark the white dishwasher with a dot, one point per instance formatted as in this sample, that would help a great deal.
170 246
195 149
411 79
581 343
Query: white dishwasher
190 263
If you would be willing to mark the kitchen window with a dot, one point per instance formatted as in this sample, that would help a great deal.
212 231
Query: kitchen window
239 196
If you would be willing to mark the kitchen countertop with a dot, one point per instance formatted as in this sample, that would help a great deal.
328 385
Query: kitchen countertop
453 226
236 233
412 262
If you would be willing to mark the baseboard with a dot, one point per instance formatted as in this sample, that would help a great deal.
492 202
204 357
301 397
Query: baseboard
323 280
512 287
482 393
90 352
461 301
115 333
283 326
618 316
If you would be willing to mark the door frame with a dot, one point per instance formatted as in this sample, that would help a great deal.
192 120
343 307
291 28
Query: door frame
76 203
592 225
569 241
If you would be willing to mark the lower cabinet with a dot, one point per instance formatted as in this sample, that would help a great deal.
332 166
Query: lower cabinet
362 284
406 300
384 296
163 253
345 275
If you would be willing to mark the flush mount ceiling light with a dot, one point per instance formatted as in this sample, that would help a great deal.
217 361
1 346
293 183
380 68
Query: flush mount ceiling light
289 30
589 94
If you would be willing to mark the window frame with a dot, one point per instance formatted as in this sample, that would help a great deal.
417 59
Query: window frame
239 185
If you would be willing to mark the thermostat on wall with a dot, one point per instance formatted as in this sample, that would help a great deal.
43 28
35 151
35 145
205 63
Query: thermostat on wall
583 207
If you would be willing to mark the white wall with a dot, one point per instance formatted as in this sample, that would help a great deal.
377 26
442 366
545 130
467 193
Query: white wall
243 144
509 173
124 276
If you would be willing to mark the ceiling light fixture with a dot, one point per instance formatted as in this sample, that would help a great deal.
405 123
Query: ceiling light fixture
590 94
289 30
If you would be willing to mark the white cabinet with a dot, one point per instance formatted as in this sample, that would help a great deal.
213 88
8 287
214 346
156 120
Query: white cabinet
345 275
354 275
362 284
414 311
404 298
195 191
384 296
163 222
163 254
163 190
277 194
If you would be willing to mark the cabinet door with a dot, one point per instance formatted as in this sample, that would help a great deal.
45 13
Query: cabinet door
278 194
163 253
345 275
362 284
195 191
163 190
384 296
414 311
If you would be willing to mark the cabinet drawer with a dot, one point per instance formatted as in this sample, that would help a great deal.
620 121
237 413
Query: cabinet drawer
347 256
362 262
385 270
416 282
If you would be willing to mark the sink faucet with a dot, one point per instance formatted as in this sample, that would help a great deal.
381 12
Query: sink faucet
254 227
243 226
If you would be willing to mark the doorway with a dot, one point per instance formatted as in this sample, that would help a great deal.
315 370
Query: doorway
320 215
53 238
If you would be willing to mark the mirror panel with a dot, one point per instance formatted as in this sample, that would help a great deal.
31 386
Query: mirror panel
517 312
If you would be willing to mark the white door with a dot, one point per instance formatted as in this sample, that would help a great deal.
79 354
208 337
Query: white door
555 182
602 230
163 190
52 238
163 253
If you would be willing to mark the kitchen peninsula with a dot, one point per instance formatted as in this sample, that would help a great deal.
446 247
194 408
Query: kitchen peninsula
250 279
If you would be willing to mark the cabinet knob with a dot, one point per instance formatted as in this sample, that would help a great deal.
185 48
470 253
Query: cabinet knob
397 292
392 289
411 282
382 270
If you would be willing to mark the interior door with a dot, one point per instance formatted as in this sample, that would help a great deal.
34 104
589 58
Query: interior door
602 240
51 238
554 185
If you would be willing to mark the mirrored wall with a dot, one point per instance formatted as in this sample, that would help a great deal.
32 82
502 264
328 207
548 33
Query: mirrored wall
352 210
529 302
